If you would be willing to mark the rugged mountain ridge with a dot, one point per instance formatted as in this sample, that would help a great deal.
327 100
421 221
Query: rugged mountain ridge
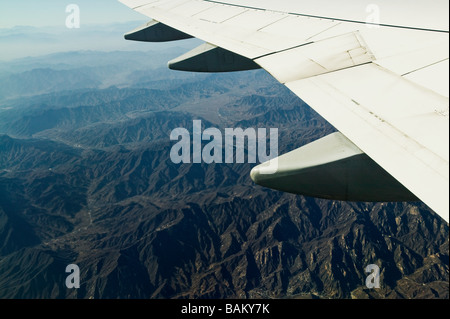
101 191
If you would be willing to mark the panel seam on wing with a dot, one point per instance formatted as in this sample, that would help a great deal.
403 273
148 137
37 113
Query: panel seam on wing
384 122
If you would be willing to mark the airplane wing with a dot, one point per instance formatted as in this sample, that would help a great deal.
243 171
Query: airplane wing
379 73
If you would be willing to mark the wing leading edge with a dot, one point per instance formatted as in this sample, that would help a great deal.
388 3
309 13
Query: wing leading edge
384 86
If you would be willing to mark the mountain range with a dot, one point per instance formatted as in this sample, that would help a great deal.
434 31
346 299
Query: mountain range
86 179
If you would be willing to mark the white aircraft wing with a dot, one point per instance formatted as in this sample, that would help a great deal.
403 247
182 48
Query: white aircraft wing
377 71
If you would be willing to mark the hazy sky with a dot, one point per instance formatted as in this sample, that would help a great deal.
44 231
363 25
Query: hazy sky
53 12
38 27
